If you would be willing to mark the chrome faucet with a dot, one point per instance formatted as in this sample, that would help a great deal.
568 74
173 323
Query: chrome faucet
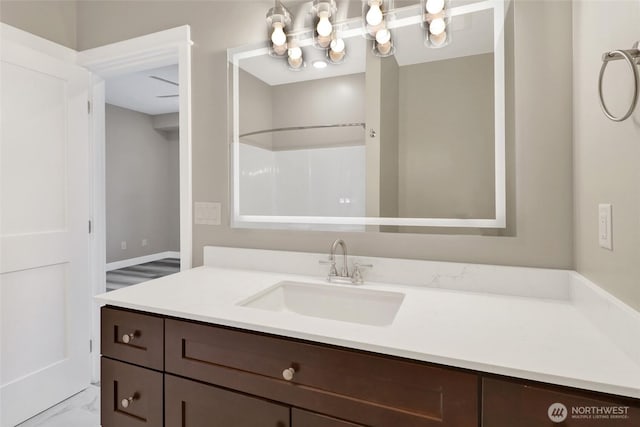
332 259
355 278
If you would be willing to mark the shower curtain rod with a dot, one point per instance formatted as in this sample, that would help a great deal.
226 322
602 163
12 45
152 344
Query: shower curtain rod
286 129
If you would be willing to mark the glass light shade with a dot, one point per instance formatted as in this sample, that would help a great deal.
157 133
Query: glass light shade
384 45
323 12
337 51
373 17
439 40
278 23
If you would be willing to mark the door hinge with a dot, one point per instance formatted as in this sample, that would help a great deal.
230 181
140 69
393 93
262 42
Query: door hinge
90 346
90 227
89 107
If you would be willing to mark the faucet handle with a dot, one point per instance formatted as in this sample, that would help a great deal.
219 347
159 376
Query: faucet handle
356 277
333 271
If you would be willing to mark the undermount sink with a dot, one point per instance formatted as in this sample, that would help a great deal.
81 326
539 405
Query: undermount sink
347 304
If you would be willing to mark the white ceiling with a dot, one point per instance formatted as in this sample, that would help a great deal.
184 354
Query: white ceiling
139 92
471 34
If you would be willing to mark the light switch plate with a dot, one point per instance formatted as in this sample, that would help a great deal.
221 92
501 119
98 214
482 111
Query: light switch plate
207 213
604 226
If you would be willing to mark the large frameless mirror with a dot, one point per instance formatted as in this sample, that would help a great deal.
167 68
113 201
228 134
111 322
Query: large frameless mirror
402 135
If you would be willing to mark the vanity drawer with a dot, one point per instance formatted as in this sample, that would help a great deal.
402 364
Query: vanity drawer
192 404
131 396
132 337
507 403
356 386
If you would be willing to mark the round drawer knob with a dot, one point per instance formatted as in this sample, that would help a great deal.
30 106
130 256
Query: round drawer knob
288 374
127 338
128 401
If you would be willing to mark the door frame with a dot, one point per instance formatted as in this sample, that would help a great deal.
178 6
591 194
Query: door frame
154 50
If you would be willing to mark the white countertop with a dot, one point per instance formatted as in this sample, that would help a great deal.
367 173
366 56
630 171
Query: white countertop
546 340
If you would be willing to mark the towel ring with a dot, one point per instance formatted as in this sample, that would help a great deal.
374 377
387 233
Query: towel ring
630 56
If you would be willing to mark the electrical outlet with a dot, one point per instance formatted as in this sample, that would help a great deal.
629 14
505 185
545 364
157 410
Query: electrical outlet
123 245
145 242
605 226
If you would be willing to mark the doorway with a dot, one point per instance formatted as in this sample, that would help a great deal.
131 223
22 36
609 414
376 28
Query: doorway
169 48
142 176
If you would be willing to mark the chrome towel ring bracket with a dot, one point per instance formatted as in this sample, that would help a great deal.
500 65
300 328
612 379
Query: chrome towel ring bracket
632 57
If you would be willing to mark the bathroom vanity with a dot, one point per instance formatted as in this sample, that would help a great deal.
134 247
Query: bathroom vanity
192 350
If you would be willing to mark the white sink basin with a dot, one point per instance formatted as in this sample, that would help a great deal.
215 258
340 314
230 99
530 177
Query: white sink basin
347 304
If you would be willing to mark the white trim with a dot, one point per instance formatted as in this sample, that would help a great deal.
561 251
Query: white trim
172 46
97 238
500 220
116 265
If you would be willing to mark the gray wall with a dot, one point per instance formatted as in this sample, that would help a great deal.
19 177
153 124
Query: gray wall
52 20
539 132
142 186
606 154
542 213
447 139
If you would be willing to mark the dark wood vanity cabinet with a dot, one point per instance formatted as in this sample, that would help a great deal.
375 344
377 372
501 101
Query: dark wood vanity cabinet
525 404
160 371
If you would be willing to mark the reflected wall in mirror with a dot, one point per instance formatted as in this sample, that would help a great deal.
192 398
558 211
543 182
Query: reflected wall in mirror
412 139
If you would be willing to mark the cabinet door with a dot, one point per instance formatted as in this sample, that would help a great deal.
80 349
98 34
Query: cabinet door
192 404
301 418
509 404
131 395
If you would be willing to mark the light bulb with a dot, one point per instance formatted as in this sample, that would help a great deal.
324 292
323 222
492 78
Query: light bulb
374 15
437 26
383 36
324 27
337 45
435 6
295 53
278 37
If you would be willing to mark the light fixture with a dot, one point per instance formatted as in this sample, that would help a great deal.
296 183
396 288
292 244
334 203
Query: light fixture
294 57
377 20
436 22
373 12
324 12
337 50
383 44
278 23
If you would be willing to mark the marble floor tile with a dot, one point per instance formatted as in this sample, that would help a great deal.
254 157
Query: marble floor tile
81 410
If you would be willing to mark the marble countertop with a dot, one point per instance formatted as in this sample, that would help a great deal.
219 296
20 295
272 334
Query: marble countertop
540 339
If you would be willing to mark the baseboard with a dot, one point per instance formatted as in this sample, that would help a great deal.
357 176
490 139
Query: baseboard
141 260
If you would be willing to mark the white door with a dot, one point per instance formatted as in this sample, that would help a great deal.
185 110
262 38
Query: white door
44 282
